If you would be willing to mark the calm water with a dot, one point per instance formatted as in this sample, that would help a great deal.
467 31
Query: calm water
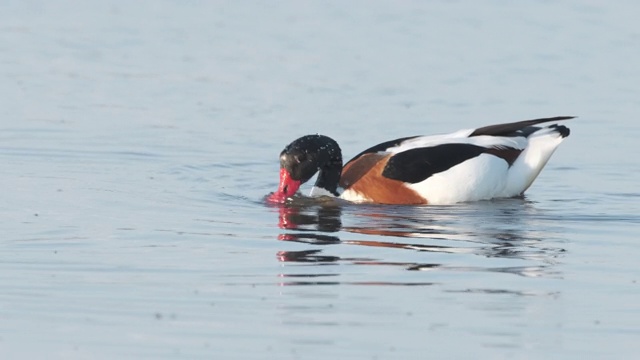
137 142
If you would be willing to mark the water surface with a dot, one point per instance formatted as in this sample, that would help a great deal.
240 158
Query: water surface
138 141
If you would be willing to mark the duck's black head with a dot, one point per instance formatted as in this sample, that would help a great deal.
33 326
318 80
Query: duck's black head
305 156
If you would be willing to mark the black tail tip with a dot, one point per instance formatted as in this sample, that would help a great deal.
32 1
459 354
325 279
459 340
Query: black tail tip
561 129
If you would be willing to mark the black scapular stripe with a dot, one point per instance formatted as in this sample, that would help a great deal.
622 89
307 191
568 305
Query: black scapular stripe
416 165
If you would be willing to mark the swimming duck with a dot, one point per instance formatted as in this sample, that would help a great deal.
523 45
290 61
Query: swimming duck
495 161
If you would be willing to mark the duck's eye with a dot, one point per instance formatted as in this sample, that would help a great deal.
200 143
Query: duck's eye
300 158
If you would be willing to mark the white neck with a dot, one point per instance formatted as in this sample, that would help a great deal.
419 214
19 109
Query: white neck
318 192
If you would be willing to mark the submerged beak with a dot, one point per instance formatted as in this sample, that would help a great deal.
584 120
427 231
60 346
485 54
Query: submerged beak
286 189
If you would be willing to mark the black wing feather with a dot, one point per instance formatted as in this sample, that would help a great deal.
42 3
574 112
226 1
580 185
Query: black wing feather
416 165
511 129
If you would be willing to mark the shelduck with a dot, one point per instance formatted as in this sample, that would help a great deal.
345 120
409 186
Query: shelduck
496 161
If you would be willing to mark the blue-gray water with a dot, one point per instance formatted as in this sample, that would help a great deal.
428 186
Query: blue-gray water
138 139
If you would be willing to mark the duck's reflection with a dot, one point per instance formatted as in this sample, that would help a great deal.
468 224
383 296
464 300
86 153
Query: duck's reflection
497 229
313 218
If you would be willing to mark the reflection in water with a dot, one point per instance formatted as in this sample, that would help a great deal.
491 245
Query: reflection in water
493 229
319 217
313 256
553 294
307 256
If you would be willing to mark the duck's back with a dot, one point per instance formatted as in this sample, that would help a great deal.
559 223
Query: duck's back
494 161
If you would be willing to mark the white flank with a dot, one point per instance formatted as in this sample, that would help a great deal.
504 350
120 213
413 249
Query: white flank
480 178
